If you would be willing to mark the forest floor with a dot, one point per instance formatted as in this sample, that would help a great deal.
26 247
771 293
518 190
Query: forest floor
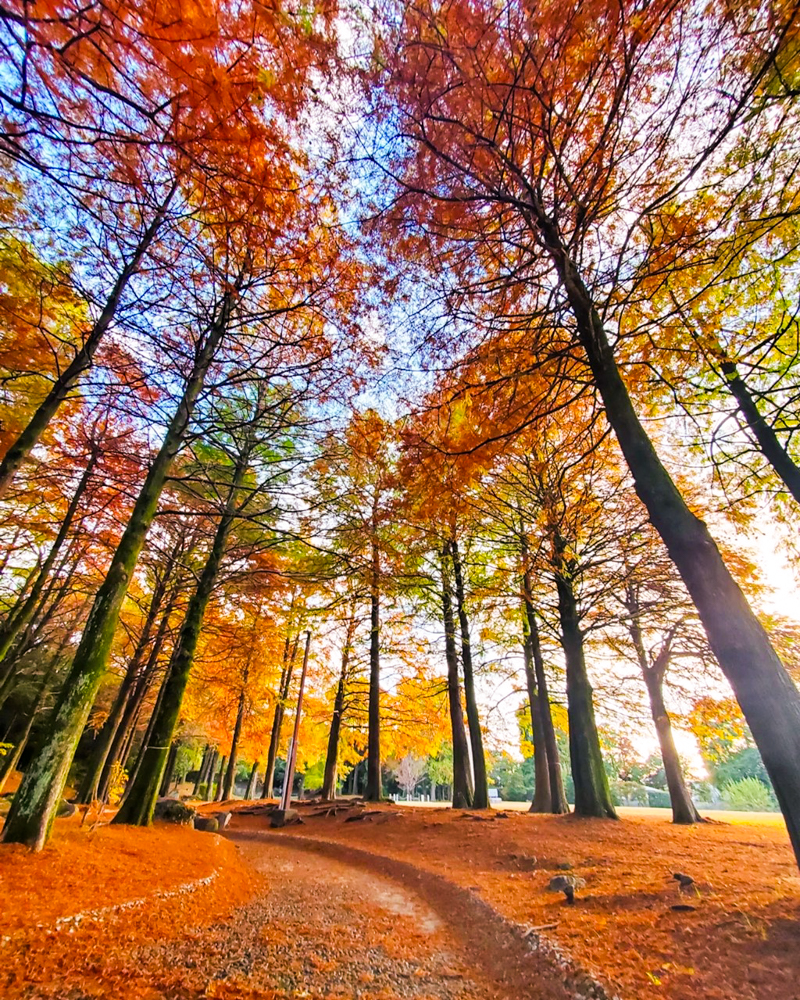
403 903
736 938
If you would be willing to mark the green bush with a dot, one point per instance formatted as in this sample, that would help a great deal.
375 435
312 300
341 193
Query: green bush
657 798
748 795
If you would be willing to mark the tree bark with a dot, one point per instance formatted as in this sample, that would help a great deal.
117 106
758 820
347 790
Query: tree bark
202 770
230 774
374 790
481 787
683 809
10 761
277 719
592 794
169 770
462 792
33 810
220 780
768 697
251 784
542 799
211 774
332 756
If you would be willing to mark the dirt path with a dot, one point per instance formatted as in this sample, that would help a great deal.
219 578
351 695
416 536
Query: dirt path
322 928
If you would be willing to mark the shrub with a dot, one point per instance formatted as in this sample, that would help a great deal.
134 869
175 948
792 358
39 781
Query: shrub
748 795
657 798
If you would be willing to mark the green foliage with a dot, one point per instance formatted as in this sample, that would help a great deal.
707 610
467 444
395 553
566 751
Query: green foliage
745 763
440 767
628 793
749 795
514 779
657 798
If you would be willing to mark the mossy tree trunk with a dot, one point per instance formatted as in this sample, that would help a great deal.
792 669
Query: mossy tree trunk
481 788
230 774
767 695
462 785
33 810
251 783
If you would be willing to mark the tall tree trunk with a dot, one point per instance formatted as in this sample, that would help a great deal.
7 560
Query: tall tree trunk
230 774
332 756
19 450
374 791
683 809
768 697
140 802
542 799
481 792
202 770
592 794
277 719
558 799
462 792
21 617
251 784
33 810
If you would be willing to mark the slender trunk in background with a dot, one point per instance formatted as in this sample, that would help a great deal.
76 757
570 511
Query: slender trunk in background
462 792
542 799
211 772
19 450
481 792
332 756
277 719
141 799
148 734
201 771
21 617
220 780
767 696
592 794
120 745
169 770
288 777
374 791
251 784
34 807
558 798
10 761
230 774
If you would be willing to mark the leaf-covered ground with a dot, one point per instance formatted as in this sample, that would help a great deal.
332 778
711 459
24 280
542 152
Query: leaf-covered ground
739 941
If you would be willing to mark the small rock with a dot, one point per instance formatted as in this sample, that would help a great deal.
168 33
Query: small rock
223 818
66 809
209 824
564 866
285 817
171 811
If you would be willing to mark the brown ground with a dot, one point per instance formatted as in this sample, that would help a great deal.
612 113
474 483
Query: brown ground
740 940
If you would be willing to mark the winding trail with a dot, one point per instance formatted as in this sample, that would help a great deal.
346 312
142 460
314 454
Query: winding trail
325 928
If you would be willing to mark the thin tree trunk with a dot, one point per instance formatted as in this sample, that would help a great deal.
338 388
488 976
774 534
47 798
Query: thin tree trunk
33 809
169 770
481 791
19 450
332 756
10 761
592 794
558 798
768 697
542 800
105 739
140 802
201 771
251 784
683 809
374 791
237 732
462 792
22 616
277 719
211 773
220 780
